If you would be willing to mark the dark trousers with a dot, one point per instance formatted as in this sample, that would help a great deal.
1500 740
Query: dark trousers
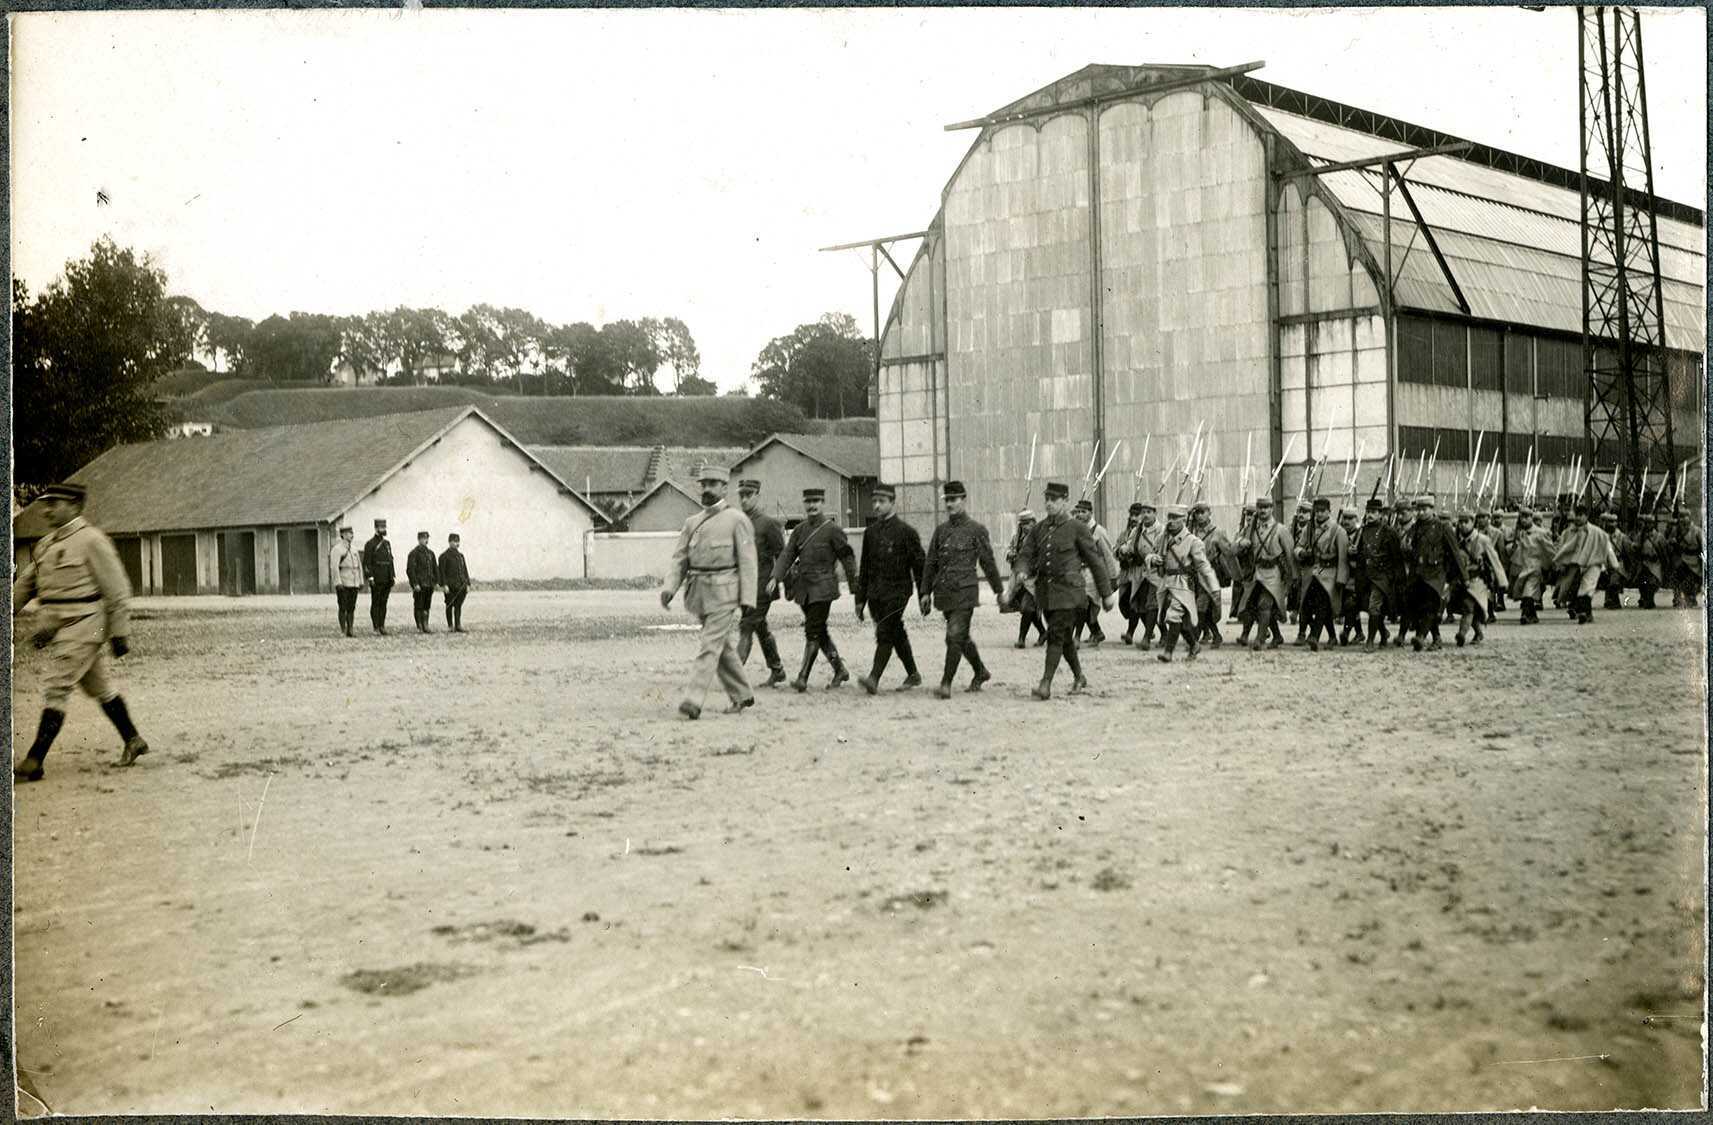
1029 616
455 608
1263 611
959 646
379 592
422 604
1422 609
1646 587
1062 641
347 597
1317 611
753 627
890 635
816 638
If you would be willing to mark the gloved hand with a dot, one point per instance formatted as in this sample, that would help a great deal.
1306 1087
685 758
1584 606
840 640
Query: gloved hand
666 599
927 603
118 645
1109 601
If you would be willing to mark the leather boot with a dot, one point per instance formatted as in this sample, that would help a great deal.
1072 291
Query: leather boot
810 651
882 656
30 769
1168 642
775 666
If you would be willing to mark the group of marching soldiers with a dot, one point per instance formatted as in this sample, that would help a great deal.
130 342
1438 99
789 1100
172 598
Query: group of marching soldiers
1385 575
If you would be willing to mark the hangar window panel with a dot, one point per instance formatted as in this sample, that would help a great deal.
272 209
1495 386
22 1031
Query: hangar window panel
1519 363
1485 373
1415 350
1414 441
1517 448
1453 445
1683 373
1558 366
1450 355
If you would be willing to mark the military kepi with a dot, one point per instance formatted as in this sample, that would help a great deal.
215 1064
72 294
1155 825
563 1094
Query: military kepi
713 472
1057 491
955 490
885 492
814 495
749 486
65 490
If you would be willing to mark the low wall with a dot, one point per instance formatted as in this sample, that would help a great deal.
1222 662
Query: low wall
638 554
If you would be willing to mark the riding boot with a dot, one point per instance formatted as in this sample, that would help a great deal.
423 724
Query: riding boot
775 666
840 675
882 656
1168 641
954 655
811 649
1192 645
973 656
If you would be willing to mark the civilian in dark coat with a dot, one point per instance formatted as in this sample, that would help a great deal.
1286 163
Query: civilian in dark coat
890 575
960 546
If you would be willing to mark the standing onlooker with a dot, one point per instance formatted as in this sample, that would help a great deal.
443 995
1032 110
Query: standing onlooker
378 572
76 579
345 563
422 572
455 579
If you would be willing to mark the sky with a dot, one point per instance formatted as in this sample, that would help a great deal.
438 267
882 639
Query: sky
598 165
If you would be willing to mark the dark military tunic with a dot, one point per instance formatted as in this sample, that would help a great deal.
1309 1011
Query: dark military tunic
891 563
769 544
1054 554
378 561
818 547
1381 555
958 548
421 568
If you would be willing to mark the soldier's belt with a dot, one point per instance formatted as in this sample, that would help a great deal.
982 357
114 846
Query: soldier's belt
85 600
712 569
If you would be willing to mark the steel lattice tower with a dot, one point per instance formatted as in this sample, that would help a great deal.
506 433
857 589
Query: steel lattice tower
1627 404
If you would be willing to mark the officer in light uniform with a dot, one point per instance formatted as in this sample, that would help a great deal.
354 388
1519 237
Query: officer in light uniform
345 562
81 596
715 562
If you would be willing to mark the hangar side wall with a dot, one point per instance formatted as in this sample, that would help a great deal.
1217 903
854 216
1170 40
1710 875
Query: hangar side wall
911 400
1019 331
1185 323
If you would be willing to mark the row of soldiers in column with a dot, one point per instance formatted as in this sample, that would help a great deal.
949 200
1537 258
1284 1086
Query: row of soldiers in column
1403 565
1408 565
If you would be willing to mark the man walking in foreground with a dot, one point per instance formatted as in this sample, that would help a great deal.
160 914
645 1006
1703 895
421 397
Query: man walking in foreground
345 563
1584 552
817 548
1055 554
890 574
1185 578
82 596
769 543
420 570
715 563
378 573
1530 556
957 549
455 579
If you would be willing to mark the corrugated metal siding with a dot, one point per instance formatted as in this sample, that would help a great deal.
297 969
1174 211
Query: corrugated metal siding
1514 244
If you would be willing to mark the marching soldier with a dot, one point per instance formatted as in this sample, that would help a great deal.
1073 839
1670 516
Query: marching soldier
817 548
890 575
1403 518
1485 573
1584 551
75 579
420 568
958 547
1431 556
1126 587
345 563
1242 608
1222 556
1028 609
1614 580
1144 540
1651 561
1324 552
1687 550
716 563
1382 556
1356 589
1084 512
1269 549
378 573
1493 527
1185 577
1054 554
1530 556
769 544
1300 523
455 580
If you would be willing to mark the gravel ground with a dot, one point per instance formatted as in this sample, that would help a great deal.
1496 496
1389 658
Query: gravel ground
495 874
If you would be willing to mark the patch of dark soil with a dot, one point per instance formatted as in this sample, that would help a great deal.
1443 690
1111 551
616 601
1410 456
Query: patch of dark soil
921 900
403 981
259 765
517 934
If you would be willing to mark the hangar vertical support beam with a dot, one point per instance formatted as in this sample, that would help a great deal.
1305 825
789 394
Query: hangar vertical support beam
1096 297
1627 399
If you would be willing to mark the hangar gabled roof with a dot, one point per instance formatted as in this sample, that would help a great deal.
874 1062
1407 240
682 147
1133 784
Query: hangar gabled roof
1509 225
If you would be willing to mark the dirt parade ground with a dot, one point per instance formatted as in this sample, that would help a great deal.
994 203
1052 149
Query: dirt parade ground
496 874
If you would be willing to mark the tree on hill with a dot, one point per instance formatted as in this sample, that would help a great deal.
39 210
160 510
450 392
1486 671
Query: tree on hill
822 368
499 343
300 348
227 339
86 353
